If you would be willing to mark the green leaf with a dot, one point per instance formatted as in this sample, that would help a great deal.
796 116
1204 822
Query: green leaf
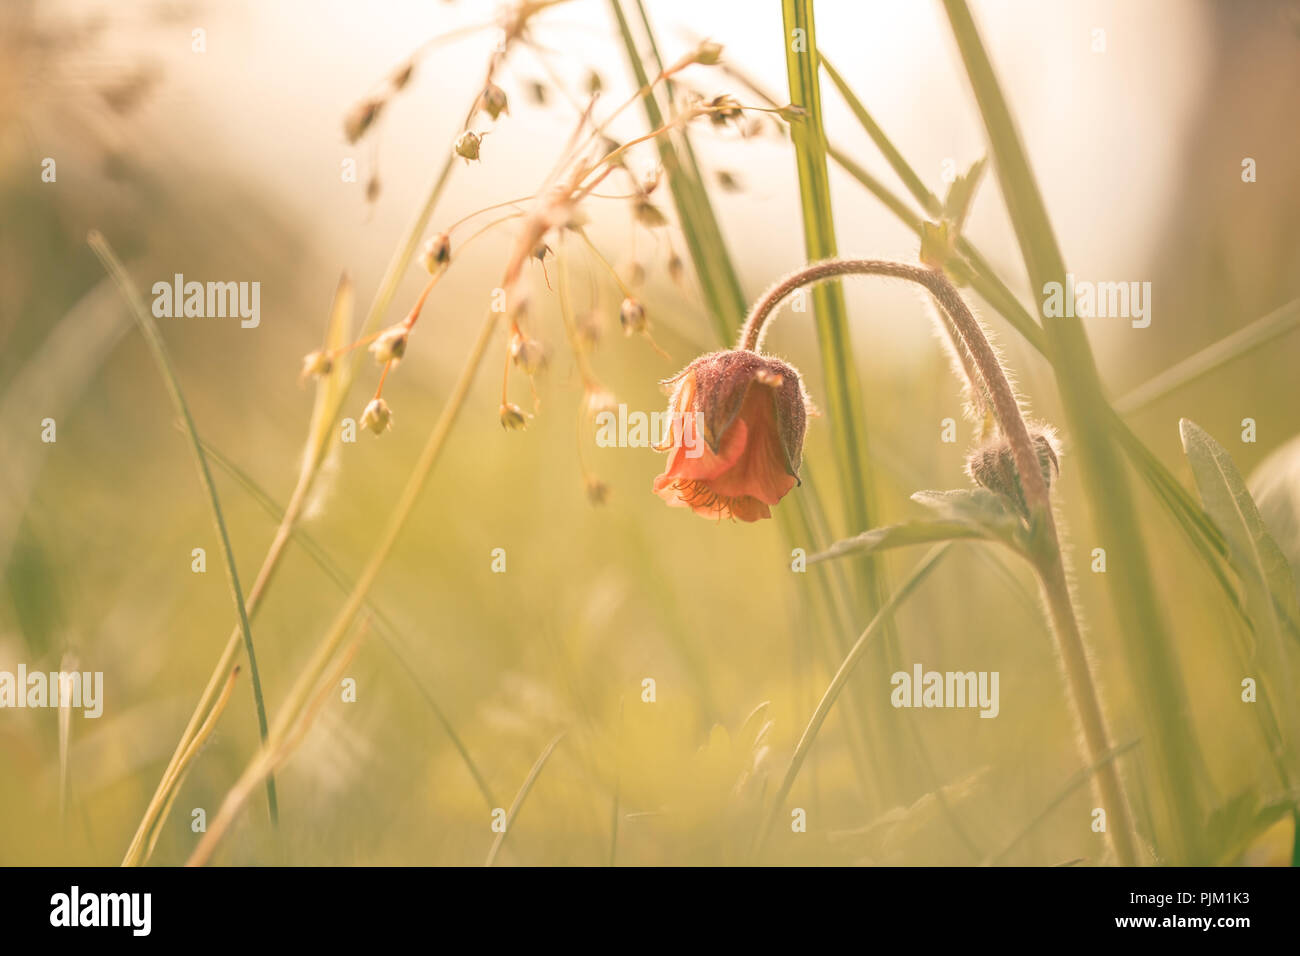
900 536
1260 564
1267 584
1213 357
963 514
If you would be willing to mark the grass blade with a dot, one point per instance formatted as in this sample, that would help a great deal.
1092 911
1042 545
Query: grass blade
1074 783
149 330
383 626
928 200
1212 357
524 789
864 643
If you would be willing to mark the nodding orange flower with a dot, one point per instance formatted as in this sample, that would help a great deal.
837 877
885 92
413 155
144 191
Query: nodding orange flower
736 423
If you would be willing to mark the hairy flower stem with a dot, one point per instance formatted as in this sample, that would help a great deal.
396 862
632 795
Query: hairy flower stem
1046 557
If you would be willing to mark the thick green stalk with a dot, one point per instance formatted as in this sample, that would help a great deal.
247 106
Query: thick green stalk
843 399
1152 657
727 307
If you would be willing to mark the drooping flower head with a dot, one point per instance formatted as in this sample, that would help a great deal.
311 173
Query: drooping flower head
736 423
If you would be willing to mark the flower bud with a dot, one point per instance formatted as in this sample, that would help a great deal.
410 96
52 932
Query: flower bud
632 316
723 110
493 101
468 144
436 253
391 344
648 214
402 75
587 327
361 117
708 53
792 114
633 274
378 417
736 422
528 354
676 268
317 364
993 466
512 417
728 181
597 490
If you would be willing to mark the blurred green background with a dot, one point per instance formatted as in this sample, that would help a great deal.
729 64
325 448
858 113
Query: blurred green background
224 165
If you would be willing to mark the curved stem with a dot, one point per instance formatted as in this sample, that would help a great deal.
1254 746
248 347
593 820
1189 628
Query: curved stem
1046 552
996 385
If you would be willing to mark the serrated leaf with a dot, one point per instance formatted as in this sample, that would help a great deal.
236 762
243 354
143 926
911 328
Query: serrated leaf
962 193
